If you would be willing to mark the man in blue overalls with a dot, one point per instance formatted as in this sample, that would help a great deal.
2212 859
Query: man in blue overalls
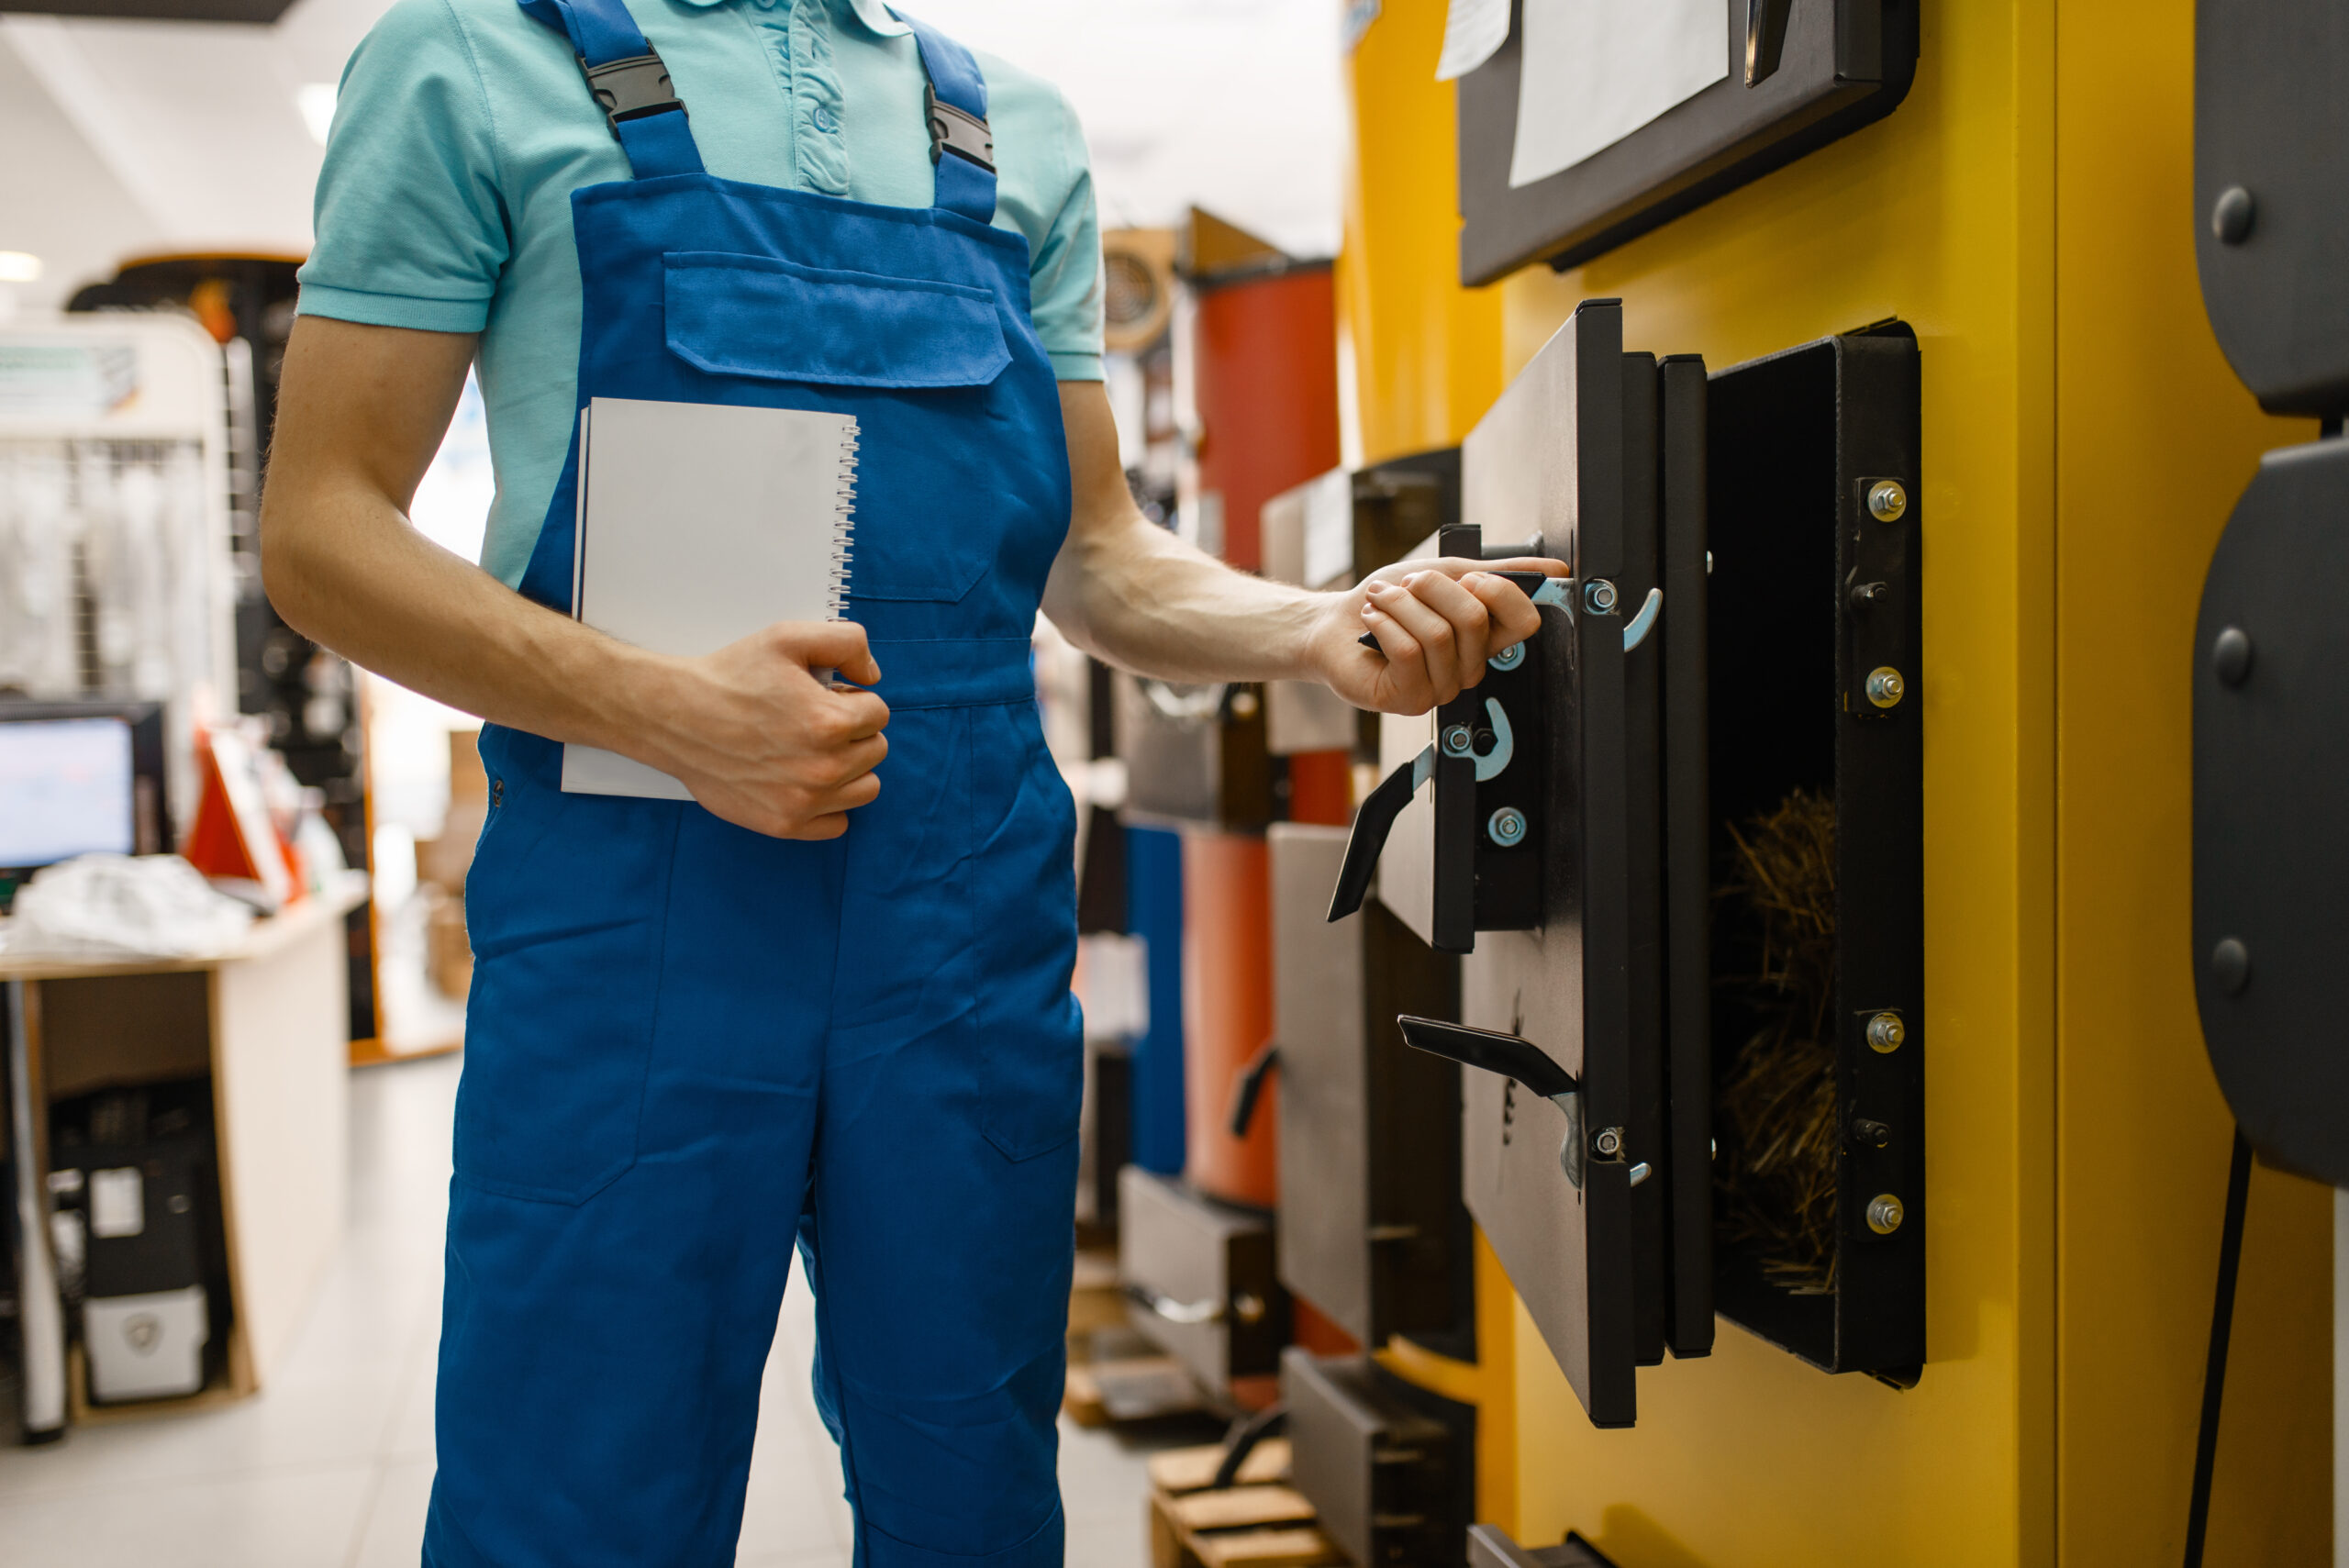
827 1001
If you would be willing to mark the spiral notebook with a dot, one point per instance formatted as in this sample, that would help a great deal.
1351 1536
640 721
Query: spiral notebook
698 524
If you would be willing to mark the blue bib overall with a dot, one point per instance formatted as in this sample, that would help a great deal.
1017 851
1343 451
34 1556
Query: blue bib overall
690 1047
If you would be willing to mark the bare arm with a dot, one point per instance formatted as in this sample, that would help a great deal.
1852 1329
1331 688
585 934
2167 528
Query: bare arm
1134 594
749 730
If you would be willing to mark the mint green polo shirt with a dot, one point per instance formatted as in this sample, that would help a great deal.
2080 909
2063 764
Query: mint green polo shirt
463 126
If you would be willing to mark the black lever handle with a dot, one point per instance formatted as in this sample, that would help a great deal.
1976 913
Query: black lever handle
1528 583
1372 822
1506 1055
1766 37
1249 1088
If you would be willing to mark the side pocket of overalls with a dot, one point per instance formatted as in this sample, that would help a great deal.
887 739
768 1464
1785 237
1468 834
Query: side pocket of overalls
566 905
1021 878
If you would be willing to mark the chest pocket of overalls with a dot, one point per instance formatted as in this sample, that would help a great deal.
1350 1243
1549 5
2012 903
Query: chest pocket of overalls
923 346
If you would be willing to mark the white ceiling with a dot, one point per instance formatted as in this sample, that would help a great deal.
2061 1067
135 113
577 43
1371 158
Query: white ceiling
129 137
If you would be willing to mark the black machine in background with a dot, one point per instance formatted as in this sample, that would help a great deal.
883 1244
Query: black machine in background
1372 1229
308 694
2271 649
1801 75
1388 1466
1740 640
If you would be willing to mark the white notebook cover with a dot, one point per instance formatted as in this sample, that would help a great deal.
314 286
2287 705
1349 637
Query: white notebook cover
699 524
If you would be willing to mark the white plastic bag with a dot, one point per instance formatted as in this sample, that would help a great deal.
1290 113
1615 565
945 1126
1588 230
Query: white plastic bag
124 906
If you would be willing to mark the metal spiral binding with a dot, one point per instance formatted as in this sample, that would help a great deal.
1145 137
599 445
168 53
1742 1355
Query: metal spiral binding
844 524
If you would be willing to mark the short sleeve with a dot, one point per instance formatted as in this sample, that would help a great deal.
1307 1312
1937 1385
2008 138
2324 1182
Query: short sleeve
411 229
1064 275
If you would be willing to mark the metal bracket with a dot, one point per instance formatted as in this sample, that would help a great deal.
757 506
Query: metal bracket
1491 764
1644 622
957 131
631 88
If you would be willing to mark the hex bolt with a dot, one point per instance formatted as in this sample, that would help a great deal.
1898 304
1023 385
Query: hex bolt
1508 658
1607 1142
1459 740
1888 502
1887 1032
2231 656
2231 966
1886 688
1884 1214
2233 215
1598 596
1866 594
1506 827
1870 1134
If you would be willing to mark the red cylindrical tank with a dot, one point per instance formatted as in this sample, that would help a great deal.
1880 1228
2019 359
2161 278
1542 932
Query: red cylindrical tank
1266 386
1227 1012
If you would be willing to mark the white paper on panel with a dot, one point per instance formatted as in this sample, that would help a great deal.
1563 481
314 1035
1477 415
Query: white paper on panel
1473 31
1596 71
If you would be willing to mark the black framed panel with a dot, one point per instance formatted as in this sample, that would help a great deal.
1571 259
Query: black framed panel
1557 1196
1815 774
1801 74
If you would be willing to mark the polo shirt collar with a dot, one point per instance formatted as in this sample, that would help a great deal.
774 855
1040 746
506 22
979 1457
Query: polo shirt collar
874 14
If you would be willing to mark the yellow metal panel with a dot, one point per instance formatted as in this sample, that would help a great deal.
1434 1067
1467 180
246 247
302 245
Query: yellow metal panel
1942 215
2157 440
1425 355
2028 211
1426 352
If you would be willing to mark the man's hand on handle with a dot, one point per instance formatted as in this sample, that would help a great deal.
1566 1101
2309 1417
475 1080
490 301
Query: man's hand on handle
762 743
1436 621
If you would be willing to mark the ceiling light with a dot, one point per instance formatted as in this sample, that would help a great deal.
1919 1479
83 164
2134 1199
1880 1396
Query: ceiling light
20 267
316 100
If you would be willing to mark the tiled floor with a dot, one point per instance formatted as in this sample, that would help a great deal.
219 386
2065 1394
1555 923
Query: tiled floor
330 1467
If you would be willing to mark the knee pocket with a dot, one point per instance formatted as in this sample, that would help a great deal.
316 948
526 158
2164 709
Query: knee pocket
1020 890
566 905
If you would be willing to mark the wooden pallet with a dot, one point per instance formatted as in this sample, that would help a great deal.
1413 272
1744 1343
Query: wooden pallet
1258 1522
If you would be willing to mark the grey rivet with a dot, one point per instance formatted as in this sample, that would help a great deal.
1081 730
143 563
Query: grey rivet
1243 704
1458 741
1870 1134
1506 827
1886 688
1598 596
1607 1142
1884 1214
1886 1032
2233 215
1508 658
2231 966
2231 656
1888 502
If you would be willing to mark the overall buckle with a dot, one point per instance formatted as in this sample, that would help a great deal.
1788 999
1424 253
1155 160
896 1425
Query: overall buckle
630 89
957 131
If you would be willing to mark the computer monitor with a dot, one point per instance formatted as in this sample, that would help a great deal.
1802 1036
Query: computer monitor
78 778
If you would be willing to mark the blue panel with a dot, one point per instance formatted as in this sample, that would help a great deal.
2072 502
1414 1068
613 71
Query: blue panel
1154 913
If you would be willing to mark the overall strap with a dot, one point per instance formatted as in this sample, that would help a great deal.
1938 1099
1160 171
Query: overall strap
955 105
629 82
